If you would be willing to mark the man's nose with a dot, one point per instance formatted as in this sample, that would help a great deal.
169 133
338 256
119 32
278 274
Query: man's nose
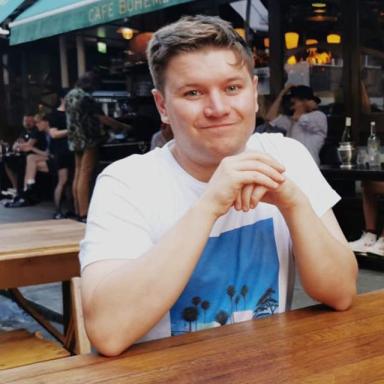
217 105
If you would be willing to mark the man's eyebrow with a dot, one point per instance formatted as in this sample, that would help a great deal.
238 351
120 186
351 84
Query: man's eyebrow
196 85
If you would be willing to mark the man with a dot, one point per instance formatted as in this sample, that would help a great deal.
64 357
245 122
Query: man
86 133
307 124
199 233
30 142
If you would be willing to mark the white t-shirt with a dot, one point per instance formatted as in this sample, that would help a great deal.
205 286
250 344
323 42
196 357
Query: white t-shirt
311 130
246 268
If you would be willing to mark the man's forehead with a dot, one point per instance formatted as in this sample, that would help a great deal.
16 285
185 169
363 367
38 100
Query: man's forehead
190 68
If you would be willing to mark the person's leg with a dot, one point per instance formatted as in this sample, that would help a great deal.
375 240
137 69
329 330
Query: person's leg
88 163
371 192
11 176
78 158
34 163
62 175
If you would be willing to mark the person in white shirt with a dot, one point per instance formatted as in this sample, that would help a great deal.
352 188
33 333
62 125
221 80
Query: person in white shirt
202 232
307 123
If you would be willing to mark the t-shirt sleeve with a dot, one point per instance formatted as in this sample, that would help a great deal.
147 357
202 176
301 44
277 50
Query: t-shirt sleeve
302 169
117 227
313 122
282 121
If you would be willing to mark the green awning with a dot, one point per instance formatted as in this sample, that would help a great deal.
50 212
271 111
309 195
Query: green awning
48 18
7 7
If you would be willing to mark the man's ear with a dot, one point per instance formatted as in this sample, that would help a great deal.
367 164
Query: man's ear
160 104
255 82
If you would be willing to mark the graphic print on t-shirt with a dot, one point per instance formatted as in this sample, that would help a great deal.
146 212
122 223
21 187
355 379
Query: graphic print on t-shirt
236 279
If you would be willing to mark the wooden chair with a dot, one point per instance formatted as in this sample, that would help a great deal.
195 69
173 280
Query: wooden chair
20 347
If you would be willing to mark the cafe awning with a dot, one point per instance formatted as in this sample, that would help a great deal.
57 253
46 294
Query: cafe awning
7 7
48 18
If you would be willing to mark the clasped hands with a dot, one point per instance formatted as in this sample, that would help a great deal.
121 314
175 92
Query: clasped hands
242 181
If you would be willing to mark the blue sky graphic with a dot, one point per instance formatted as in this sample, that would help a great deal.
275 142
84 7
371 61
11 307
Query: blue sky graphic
242 256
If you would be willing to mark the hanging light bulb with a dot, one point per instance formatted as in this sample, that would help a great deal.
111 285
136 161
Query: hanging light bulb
266 42
126 33
291 60
241 32
291 40
311 42
333 38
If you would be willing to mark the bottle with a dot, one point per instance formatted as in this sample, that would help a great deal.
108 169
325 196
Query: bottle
346 137
373 146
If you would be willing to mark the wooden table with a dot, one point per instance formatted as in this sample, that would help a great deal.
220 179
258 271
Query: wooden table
337 173
312 345
40 252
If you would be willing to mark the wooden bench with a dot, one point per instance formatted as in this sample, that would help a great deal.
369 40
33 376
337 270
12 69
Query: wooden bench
20 347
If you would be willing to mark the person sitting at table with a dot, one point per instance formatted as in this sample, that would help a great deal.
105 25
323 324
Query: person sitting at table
306 124
369 241
201 232
33 141
14 163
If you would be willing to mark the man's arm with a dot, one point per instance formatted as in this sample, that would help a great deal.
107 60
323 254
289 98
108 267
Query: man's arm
274 109
56 133
116 125
326 264
123 300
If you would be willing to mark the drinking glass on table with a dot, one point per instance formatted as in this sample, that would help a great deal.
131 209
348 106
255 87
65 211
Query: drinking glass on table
361 158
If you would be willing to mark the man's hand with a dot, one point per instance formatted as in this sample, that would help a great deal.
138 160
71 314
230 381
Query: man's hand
256 172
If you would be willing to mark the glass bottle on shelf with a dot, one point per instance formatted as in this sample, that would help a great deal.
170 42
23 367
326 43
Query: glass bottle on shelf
373 146
346 137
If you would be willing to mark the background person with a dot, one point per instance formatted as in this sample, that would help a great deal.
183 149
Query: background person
307 123
86 132
370 241
213 216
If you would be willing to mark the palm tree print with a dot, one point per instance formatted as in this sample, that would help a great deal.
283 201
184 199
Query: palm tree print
222 317
237 300
243 292
205 306
190 315
196 301
266 305
231 292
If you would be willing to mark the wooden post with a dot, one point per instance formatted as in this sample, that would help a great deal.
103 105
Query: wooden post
276 60
351 60
81 64
63 62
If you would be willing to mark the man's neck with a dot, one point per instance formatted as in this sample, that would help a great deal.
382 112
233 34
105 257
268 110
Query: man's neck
201 172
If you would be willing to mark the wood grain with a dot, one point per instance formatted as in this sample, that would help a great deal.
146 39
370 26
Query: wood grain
19 347
313 345
39 252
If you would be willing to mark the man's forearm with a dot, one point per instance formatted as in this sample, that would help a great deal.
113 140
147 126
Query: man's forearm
326 266
129 301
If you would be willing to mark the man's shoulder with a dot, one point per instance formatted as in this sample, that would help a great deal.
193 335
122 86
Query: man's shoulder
135 168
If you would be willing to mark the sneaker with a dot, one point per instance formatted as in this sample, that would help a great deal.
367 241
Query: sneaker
361 245
377 248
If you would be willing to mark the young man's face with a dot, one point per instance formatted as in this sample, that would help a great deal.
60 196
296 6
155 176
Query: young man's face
210 103
42 125
28 122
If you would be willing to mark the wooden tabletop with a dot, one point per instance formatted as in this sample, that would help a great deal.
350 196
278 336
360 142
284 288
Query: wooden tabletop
39 252
37 237
312 345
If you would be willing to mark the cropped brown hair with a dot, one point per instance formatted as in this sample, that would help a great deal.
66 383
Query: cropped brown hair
190 34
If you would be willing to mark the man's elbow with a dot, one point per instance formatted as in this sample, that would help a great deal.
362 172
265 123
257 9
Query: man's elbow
345 299
107 338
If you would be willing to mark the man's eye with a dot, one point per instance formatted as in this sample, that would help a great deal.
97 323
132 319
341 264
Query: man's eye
193 93
233 88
